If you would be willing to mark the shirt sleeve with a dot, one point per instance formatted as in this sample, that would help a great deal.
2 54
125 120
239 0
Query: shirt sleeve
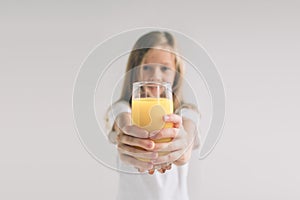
189 113
111 115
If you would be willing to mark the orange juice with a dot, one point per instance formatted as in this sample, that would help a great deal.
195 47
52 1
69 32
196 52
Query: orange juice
148 113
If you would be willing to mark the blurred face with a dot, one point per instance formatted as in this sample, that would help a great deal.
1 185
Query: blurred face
158 65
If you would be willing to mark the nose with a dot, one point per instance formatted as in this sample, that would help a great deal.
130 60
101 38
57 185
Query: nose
156 75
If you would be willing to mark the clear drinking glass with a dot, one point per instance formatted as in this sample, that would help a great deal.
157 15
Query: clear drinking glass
150 102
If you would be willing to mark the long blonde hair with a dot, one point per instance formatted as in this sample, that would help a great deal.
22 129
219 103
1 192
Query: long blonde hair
152 40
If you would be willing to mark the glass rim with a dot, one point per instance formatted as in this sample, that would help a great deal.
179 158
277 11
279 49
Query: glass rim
139 83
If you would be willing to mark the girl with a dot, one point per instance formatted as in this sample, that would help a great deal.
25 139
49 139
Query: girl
154 58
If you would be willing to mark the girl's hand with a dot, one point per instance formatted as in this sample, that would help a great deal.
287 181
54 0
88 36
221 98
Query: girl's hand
178 150
134 146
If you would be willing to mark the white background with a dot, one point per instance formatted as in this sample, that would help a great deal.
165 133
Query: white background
255 45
